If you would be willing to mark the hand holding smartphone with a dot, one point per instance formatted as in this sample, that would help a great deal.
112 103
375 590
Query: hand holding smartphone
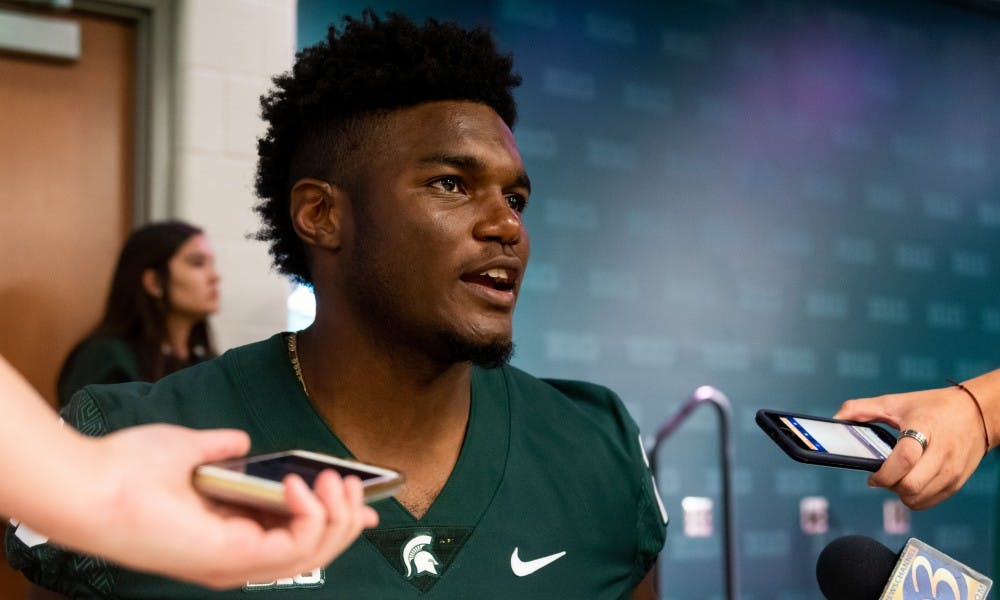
832 442
257 480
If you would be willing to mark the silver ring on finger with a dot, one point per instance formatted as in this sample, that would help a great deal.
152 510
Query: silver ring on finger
916 435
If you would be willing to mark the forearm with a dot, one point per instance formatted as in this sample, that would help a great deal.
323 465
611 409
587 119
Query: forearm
986 389
51 470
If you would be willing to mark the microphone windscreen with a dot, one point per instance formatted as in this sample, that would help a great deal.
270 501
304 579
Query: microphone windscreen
854 567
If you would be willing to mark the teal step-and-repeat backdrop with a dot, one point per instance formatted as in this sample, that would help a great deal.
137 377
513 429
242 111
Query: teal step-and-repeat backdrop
797 202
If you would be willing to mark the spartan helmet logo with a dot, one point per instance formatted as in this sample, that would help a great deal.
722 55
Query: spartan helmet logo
418 558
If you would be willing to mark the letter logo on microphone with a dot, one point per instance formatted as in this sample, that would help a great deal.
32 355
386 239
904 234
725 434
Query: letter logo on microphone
924 572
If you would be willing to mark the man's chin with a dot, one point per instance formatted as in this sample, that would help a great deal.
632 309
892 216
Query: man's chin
487 354
494 356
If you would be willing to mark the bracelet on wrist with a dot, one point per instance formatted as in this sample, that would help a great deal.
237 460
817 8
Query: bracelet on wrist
982 417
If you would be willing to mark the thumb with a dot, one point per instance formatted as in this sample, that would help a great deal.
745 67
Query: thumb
219 444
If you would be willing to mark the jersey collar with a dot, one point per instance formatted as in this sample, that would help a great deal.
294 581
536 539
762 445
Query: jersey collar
288 420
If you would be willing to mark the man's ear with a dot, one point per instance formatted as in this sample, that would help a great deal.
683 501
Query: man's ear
151 283
317 208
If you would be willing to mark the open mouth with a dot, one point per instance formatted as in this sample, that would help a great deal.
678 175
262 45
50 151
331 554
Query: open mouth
496 278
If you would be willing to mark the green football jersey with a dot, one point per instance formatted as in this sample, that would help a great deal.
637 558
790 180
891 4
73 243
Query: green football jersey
97 360
551 496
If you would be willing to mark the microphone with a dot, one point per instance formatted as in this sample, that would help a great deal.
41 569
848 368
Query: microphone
856 567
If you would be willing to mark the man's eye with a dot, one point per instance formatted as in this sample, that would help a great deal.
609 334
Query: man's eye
448 184
517 202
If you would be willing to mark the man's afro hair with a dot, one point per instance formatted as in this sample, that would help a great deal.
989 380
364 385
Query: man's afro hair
374 65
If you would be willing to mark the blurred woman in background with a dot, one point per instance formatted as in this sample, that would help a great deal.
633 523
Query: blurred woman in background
156 319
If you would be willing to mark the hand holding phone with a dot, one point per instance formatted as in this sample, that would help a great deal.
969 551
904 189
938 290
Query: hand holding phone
257 480
832 442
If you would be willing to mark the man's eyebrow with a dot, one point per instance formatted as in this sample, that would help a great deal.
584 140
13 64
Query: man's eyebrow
471 163
461 161
523 180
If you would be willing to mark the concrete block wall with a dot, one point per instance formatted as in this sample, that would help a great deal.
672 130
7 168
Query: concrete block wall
226 52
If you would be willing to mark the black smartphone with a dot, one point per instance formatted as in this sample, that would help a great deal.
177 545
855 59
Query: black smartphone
833 442
257 480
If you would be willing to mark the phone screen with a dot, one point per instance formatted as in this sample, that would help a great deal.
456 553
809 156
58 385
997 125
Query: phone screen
836 438
277 468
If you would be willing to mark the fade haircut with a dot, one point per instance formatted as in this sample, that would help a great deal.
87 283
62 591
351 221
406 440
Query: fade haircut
323 114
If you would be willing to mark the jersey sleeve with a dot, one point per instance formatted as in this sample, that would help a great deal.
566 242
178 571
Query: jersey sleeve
50 566
650 515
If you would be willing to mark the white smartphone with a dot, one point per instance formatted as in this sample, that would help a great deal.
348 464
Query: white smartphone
257 480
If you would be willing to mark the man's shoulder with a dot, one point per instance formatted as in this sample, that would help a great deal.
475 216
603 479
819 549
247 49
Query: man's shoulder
198 396
583 393
564 400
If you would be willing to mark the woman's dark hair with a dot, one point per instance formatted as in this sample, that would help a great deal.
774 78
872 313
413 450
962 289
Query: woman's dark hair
133 315
321 114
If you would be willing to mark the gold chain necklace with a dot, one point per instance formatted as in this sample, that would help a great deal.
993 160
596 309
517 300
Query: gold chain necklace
293 355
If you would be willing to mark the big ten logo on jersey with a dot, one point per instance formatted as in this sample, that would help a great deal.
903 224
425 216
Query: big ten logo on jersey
312 579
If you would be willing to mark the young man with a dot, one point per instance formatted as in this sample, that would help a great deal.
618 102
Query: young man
390 181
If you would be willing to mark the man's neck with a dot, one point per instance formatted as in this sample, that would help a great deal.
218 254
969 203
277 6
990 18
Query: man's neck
408 415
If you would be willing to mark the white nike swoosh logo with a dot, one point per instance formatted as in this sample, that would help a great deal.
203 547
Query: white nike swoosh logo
522 568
